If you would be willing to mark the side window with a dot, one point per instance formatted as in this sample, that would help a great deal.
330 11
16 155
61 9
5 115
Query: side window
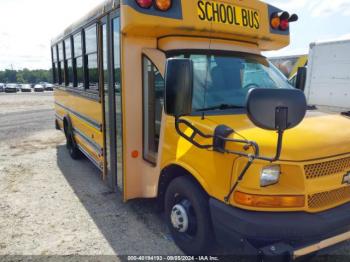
78 66
69 62
54 65
60 64
153 91
91 58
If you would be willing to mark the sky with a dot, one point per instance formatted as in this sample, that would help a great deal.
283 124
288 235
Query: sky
26 27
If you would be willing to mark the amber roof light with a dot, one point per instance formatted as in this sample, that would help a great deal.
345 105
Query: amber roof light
163 5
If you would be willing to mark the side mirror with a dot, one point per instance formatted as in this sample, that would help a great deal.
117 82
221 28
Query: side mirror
276 109
301 78
178 87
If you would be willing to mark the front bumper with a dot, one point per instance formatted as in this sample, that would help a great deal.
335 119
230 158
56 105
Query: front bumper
290 231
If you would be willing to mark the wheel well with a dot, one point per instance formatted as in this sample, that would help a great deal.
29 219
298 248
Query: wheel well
167 175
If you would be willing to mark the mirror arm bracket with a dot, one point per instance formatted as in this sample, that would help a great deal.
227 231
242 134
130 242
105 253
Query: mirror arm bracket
278 150
196 132
247 143
279 146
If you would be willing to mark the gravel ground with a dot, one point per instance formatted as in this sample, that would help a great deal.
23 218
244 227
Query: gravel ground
51 205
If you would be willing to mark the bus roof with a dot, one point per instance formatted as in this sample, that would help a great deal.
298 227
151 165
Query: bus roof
239 20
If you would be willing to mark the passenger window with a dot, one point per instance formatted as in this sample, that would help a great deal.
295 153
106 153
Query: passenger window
91 58
153 91
55 65
60 64
78 65
69 63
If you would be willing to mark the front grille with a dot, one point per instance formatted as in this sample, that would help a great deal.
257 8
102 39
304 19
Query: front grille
327 168
329 198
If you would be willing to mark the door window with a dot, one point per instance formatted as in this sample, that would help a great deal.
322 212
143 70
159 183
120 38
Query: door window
118 98
153 93
106 98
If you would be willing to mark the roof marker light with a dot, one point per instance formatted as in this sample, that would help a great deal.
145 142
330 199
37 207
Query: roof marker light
284 25
144 3
280 21
275 22
163 5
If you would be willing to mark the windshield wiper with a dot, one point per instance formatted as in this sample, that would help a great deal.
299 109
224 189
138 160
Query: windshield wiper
220 107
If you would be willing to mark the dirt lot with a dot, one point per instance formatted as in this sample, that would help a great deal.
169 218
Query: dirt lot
52 205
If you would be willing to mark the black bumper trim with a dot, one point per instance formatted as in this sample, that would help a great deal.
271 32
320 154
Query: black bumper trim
263 228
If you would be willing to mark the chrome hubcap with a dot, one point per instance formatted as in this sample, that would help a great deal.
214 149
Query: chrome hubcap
179 218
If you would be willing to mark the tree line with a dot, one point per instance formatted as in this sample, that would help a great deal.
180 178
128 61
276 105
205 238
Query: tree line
25 76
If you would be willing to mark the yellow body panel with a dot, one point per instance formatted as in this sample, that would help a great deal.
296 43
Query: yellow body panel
309 143
86 117
145 25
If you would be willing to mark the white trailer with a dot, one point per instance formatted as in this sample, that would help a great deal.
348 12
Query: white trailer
328 75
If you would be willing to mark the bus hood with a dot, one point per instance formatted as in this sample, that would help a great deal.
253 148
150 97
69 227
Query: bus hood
320 135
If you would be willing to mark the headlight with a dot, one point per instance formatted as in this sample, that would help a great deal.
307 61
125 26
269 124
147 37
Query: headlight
270 175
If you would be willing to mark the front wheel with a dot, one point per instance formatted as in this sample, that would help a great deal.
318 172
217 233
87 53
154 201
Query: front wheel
188 217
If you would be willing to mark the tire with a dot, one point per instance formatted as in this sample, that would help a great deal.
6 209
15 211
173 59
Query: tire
195 237
72 147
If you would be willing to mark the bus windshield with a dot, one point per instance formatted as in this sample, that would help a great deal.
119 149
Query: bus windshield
223 81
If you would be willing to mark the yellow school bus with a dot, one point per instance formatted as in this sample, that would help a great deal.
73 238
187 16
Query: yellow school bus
172 99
